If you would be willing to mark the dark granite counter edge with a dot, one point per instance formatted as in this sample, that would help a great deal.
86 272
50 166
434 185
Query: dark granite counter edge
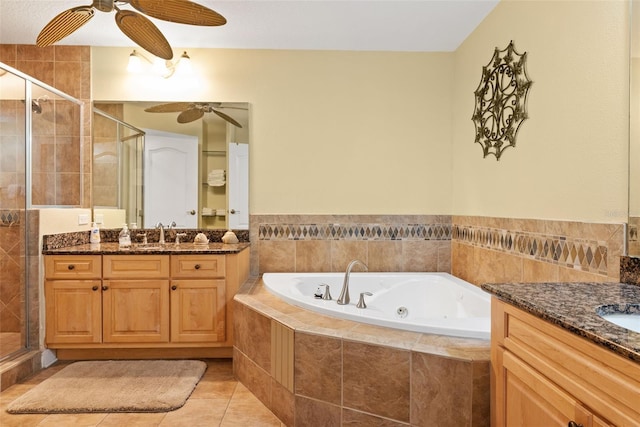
63 240
114 249
559 320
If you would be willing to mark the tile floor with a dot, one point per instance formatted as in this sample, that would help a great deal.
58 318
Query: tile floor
218 400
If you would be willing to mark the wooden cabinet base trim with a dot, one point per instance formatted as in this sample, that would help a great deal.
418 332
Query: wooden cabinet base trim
145 353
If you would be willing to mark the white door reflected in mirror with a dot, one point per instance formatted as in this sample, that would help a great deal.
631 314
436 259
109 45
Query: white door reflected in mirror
170 179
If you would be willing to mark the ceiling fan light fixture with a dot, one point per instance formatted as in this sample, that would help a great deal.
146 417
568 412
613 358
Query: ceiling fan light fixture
159 66
135 63
184 62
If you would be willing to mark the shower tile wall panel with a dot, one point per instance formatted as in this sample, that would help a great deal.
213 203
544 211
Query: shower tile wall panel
61 156
105 151
11 271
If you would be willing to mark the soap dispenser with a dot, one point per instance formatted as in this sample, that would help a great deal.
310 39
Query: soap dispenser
94 237
124 238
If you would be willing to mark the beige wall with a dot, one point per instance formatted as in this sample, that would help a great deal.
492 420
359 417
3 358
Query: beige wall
390 133
331 132
570 161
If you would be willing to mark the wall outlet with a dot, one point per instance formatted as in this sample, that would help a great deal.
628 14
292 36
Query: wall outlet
83 219
99 218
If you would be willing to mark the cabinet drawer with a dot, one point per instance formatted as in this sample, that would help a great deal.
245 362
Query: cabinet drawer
73 267
135 266
197 266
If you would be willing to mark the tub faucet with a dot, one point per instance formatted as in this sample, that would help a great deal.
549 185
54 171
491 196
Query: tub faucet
344 299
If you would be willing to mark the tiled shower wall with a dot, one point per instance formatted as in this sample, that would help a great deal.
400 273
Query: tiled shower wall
105 152
477 249
16 258
61 156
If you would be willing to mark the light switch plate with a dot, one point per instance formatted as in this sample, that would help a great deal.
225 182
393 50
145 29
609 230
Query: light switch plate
99 218
83 219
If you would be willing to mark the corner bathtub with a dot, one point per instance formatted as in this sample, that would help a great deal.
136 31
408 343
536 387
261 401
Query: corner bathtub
433 303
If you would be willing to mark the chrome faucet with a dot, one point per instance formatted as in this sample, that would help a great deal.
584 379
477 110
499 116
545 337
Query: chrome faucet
344 299
161 227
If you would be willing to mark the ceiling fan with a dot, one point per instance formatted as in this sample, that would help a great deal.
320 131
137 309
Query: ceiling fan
191 111
133 24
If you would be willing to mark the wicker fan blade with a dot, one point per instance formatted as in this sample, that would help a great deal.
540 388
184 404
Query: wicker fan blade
227 118
180 11
142 31
172 107
64 24
190 115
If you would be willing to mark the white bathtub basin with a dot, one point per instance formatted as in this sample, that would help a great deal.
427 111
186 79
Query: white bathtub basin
436 303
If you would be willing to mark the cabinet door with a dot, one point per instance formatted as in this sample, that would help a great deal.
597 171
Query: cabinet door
198 310
135 311
73 311
532 400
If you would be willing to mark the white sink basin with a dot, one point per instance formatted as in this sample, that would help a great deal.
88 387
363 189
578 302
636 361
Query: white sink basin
629 321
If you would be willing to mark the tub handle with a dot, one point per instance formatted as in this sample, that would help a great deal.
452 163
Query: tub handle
361 303
326 295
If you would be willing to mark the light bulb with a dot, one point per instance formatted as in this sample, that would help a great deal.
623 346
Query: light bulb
135 64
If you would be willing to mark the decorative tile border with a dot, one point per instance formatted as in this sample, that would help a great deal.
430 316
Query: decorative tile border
584 254
354 231
9 218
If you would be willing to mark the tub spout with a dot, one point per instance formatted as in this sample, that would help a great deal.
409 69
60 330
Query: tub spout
344 294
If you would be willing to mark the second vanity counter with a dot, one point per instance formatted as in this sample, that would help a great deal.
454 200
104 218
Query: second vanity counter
556 361
574 307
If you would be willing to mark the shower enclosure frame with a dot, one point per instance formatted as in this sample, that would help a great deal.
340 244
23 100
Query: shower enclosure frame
31 339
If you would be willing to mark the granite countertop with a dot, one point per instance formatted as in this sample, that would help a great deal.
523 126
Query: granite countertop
112 248
574 307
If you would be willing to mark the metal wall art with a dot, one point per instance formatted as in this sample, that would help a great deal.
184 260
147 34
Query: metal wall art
501 100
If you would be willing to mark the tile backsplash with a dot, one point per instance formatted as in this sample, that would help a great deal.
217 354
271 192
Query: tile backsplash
477 249
317 243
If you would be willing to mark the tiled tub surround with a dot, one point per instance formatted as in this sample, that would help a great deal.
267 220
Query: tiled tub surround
493 250
299 243
341 372
574 307
476 249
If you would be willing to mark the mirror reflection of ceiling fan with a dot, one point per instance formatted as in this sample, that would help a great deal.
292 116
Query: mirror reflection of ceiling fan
133 24
191 111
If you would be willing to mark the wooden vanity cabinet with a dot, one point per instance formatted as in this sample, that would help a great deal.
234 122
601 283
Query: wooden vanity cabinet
544 375
73 299
118 306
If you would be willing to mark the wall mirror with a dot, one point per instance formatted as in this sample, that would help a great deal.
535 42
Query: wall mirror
633 242
167 161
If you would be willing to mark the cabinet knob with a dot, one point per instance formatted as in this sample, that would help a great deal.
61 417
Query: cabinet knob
197 266
71 266
95 288
104 288
574 424
174 287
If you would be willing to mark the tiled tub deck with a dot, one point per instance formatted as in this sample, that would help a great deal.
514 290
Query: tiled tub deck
310 369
